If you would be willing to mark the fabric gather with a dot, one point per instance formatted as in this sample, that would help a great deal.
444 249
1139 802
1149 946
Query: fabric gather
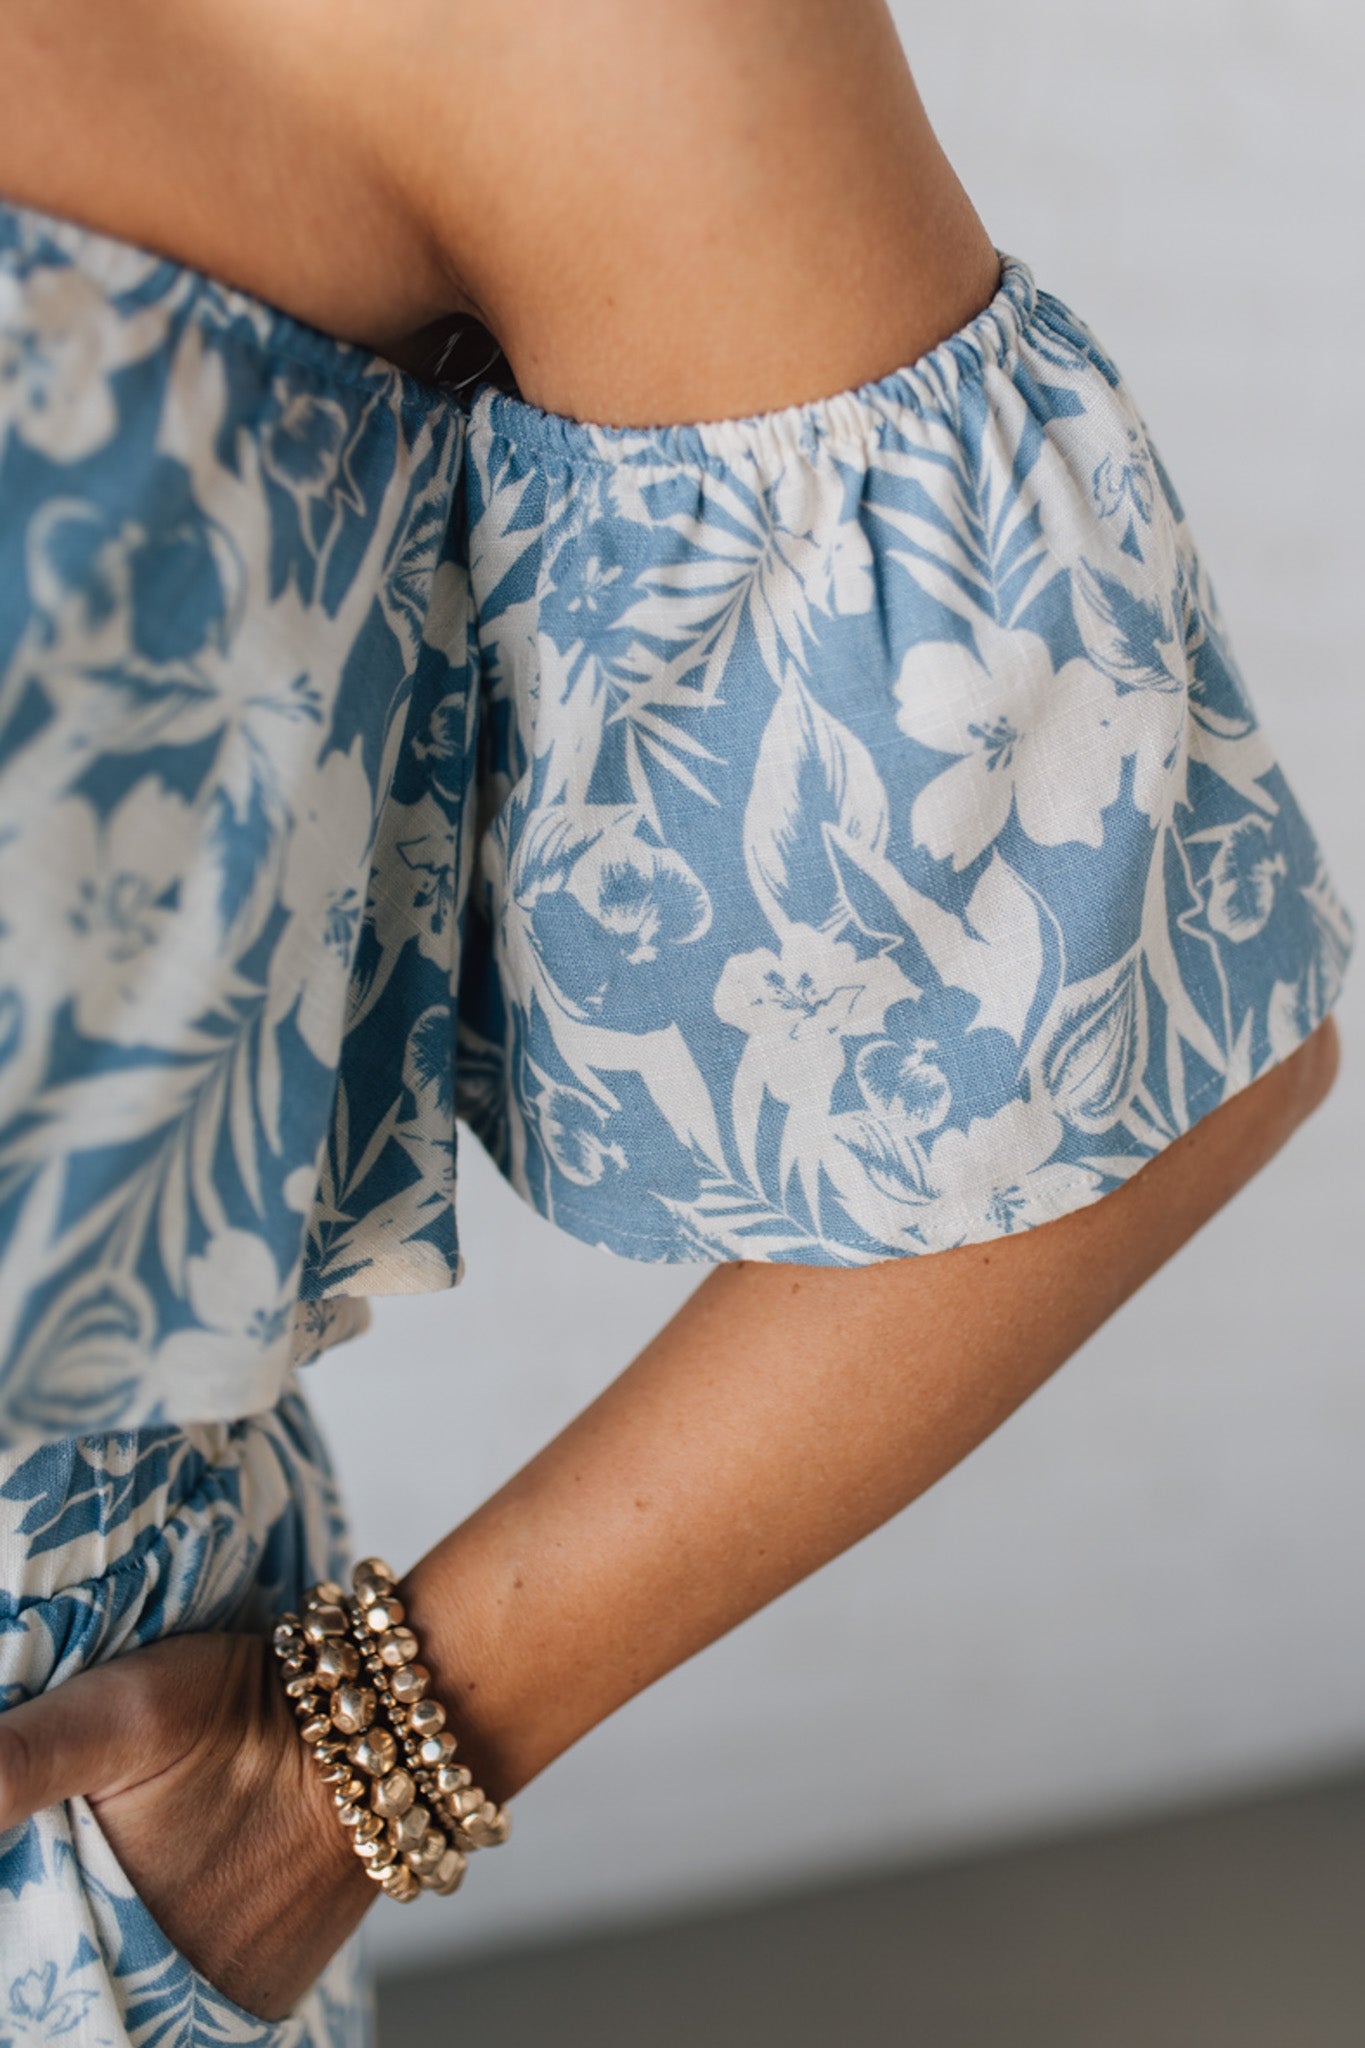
834 835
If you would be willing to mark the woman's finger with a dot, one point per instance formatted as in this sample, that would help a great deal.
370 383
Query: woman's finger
101 1731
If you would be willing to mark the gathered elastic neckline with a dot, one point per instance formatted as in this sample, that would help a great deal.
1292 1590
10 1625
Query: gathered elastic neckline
105 259
851 417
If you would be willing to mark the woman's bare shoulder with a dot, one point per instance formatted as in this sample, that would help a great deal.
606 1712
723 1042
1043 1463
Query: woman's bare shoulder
679 208
660 209
247 140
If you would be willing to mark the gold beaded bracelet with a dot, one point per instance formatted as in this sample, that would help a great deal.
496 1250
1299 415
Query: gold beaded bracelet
350 1668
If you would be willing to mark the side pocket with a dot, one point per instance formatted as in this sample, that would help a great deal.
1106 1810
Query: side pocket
163 1999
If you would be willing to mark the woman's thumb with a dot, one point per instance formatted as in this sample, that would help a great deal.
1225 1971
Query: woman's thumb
95 1734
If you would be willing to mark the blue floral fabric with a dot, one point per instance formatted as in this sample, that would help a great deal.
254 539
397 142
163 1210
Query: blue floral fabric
232 631
880 851
829 836
108 1542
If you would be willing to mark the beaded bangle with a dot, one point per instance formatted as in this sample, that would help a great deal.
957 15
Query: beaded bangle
350 1668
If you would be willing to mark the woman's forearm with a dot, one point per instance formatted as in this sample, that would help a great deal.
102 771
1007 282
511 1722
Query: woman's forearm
781 1415
667 210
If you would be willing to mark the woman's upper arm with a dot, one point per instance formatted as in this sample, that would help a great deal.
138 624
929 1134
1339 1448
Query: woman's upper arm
665 209
670 209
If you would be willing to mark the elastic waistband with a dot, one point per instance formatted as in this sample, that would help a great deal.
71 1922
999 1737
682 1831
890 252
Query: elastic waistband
112 1540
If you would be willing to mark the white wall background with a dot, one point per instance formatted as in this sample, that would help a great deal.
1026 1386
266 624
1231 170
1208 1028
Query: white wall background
1151 1585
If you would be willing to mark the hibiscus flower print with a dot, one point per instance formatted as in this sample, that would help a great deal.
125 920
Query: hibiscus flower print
323 887
879 1150
999 1175
1009 717
58 351
591 583
1125 486
93 904
38 2010
572 1128
1244 876
241 1310
798 1007
302 443
1044 743
420 898
904 1084
646 896
443 745
825 836
116 603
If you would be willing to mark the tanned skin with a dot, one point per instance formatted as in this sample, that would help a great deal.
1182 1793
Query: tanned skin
663 210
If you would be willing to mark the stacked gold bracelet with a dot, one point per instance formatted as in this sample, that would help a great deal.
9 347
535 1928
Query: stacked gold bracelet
350 1667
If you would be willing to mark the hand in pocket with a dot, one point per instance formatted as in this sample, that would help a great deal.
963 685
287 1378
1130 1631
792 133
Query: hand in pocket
189 1757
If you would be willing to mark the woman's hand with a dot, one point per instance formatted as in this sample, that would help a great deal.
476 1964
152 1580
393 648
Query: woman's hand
188 1753
781 1416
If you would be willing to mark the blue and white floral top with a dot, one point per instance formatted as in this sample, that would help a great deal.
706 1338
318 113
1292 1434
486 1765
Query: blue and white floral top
829 836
